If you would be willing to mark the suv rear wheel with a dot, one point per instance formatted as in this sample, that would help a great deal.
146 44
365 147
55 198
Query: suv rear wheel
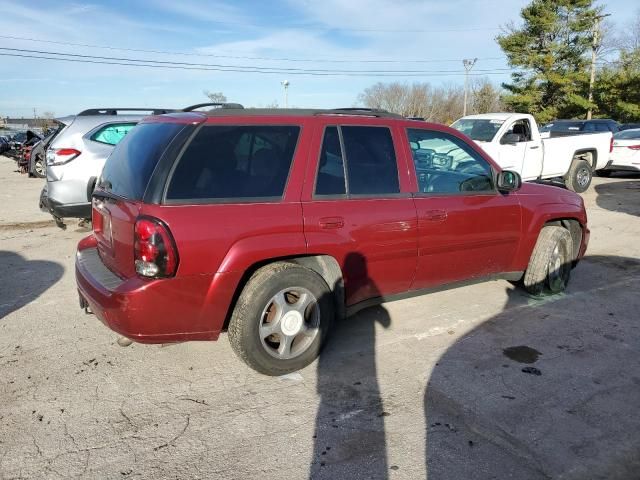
550 263
281 319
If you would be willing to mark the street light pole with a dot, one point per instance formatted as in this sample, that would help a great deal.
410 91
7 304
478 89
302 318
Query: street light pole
285 84
468 65
594 53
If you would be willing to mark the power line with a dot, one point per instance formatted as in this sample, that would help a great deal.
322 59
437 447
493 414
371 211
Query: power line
249 69
241 69
237 57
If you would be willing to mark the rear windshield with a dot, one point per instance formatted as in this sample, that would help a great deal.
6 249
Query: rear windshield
130 165
235 162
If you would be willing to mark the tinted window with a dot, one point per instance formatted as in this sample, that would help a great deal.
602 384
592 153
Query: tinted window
446 164
130 165
627 134
235 162
331 166
112 134
602 127
371 160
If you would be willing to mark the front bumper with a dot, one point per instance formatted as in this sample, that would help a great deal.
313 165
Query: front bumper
154 311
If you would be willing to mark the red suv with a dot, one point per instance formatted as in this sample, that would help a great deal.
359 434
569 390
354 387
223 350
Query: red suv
271 223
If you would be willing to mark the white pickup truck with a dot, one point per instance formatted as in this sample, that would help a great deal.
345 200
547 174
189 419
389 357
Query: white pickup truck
514 142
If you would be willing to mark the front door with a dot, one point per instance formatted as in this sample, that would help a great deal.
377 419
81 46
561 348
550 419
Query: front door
466 228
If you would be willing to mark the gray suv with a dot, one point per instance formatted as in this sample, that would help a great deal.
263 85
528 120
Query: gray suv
77 154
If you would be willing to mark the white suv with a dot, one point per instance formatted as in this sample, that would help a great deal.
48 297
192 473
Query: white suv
76 156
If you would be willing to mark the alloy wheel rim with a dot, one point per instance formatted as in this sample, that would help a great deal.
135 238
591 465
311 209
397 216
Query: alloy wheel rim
557 268
583 177
39 167
289 323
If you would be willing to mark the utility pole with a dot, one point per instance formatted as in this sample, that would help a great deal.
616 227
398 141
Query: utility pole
285 84
594 54
468 65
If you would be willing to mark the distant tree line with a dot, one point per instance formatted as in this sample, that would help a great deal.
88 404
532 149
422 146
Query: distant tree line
435 104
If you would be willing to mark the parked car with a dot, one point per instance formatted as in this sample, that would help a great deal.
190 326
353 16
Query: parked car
563 128
5 146
514 142
629 126
625 155
278 221
17 140
76 155
37 159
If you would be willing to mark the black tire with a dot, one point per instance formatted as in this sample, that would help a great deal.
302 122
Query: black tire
252 310
604 173
579 176
550 263
39 161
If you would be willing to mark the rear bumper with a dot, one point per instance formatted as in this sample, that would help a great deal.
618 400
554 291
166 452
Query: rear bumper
154 311
622 166
79 210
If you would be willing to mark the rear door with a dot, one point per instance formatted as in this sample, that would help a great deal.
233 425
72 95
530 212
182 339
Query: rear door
357 208
120 190
466 228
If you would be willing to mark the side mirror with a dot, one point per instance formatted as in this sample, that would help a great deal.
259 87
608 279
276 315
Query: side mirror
510 139
509 181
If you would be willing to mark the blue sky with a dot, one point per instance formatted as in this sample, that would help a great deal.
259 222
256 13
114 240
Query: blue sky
431 36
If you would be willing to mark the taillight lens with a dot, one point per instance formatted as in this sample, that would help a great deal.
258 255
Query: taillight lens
611 144
60 156
634 147
155 251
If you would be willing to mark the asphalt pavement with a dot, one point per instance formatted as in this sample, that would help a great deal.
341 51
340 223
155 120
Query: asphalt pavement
478 382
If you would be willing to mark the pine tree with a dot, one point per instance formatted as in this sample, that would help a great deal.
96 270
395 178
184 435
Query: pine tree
549 50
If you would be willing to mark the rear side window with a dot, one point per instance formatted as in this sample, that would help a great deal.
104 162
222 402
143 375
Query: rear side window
235 162
112 134
370 160
130 165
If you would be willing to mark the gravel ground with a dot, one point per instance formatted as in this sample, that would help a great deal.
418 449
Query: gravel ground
478 382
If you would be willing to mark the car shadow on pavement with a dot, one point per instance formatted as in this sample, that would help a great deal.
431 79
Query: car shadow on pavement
22 281
349 439
548 388
620 196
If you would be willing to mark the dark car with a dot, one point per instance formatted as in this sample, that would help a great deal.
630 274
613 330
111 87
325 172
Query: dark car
560 128
629 126
5 146
271 223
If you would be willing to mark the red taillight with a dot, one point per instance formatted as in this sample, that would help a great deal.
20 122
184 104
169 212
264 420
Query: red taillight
611 144
60 156
634 147
155 252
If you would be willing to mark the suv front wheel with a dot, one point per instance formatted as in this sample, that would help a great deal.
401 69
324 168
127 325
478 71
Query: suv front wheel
281 319
550 263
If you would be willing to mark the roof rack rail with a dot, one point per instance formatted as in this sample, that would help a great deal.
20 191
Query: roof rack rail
191 108
369 112
114 111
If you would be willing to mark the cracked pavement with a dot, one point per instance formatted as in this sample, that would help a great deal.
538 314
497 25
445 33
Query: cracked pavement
413 389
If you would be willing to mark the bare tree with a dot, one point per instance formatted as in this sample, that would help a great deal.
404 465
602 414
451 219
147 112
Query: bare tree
215 97
485 97
630 40
440 104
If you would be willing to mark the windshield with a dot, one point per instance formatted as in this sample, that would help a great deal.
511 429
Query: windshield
628 134
479 129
